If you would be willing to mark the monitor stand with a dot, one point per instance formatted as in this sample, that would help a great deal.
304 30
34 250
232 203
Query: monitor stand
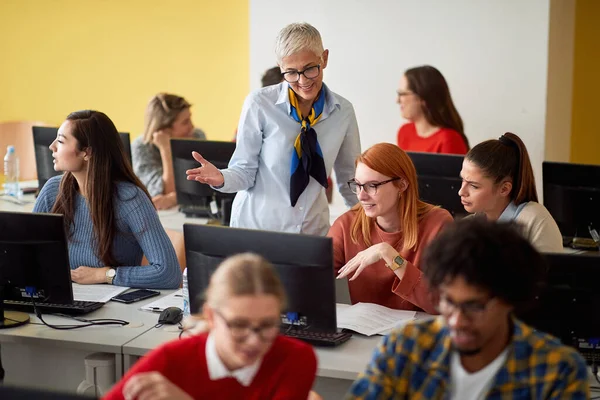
10 319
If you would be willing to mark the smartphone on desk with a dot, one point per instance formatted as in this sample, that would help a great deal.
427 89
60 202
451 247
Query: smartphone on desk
136 295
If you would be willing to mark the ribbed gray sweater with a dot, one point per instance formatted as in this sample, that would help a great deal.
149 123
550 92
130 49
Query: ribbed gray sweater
139 232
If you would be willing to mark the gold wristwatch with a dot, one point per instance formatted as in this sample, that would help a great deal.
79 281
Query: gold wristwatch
397 263
110 275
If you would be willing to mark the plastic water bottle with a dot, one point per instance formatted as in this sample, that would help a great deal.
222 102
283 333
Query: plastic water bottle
186 295
11 172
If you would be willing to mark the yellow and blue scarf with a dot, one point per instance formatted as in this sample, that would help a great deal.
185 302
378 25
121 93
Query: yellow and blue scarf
307 157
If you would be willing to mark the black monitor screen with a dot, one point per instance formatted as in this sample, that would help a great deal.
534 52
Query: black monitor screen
572 196
191 192
34 257
304 264
569 301
439 180
42 139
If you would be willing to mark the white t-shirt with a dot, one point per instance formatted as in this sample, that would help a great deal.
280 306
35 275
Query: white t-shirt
467 386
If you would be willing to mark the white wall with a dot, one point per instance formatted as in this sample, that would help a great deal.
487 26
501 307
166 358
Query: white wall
493 53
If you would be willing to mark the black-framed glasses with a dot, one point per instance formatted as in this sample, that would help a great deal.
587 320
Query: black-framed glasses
240 330
472 310
309 73
370 188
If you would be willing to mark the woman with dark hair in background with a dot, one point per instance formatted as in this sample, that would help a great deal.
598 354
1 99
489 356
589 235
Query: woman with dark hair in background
435 126
498 182
272 76
109 217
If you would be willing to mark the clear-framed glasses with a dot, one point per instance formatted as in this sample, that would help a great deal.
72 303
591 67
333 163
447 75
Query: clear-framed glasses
370 188
309 73
404 93
472 310
240 329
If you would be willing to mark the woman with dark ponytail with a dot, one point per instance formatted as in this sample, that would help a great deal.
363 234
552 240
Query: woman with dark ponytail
498 181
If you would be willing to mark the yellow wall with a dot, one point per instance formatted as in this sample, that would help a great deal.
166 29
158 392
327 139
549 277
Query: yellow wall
585 136
57 56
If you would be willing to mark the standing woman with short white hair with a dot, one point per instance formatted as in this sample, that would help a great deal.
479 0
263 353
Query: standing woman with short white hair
290 137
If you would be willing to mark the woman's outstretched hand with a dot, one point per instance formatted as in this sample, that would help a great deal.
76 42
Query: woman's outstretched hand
206 173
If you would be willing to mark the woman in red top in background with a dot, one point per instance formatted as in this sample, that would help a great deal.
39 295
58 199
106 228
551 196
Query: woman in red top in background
241 357
435 126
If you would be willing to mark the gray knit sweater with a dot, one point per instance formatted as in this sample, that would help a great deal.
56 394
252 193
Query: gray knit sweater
147 163
139 232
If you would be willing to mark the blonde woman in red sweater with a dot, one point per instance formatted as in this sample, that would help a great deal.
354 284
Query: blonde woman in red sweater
241 357
379 243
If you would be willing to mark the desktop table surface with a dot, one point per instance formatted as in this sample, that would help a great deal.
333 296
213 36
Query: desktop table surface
342 362
345 361
107 338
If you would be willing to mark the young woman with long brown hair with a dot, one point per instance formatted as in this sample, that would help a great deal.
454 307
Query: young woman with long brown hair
379 243
242 356
498 182
108 214
435 125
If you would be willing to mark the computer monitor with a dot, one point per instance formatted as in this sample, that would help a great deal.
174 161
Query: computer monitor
34 258
568 304
126 145
572 196
42 138
193 197
439 180
304 264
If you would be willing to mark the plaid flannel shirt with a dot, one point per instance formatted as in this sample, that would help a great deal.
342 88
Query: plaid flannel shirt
414 363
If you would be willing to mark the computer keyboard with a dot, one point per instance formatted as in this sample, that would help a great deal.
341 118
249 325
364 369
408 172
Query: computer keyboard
196 211
76 308
319 339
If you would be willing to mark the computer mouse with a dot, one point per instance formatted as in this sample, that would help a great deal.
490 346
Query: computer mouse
170 316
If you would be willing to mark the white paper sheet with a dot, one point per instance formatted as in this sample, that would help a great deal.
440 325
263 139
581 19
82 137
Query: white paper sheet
371 319
175 299
100 293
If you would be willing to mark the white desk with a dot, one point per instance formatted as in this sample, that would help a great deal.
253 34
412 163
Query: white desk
23 205
35 355
173 219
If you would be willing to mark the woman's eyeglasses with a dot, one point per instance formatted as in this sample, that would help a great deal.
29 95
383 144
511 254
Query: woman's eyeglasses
370 188
309 73
240 330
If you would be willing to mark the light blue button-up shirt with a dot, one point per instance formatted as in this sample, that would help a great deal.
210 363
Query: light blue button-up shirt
259 169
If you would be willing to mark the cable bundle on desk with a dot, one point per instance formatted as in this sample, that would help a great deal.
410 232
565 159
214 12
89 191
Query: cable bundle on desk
86 322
